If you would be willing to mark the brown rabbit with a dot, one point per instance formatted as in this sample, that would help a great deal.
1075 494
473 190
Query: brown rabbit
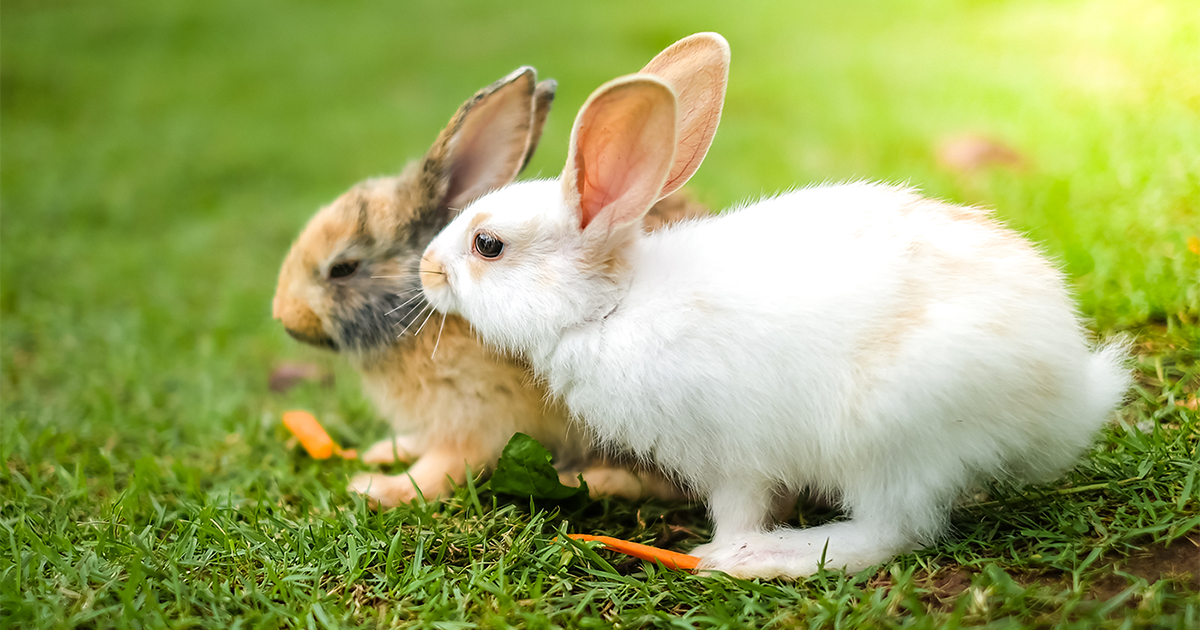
350 284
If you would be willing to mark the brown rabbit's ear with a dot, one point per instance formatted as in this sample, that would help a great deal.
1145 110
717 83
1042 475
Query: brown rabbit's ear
485 144
621 151
697 68
543 98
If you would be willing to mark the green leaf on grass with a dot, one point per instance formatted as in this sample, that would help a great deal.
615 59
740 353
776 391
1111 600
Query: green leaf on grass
525 471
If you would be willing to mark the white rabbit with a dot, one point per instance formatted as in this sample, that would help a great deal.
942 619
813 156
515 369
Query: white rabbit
856 340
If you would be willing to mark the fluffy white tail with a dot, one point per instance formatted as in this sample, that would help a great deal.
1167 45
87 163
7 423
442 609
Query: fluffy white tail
1108 378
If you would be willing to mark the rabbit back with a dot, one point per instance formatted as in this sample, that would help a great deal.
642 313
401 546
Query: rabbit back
814 336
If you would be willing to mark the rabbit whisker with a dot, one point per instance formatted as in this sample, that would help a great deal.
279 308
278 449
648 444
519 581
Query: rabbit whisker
406 303
418 308
414 320
440 273
410 300
439 339
423 323
404 275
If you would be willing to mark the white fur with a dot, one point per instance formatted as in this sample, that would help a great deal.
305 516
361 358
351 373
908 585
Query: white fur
854 339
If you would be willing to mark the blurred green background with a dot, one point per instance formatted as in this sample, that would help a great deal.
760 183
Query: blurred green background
158 157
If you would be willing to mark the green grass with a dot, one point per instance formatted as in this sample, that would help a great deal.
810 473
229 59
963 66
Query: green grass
158 157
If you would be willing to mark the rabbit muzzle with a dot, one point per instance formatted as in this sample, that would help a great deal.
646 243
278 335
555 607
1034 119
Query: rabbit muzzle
433 275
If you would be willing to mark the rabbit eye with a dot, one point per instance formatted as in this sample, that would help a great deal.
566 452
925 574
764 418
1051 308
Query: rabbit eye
488 246
343 269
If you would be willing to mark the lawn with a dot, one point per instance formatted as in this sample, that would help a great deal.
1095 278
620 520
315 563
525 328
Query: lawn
157 158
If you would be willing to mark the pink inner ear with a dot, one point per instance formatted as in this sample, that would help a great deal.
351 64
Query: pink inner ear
697 68
623 143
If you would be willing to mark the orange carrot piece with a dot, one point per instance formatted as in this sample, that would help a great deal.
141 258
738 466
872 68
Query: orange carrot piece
312 436
669 559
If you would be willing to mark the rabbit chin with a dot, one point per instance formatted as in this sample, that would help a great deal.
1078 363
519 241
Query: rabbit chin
321 342
441 299
492 331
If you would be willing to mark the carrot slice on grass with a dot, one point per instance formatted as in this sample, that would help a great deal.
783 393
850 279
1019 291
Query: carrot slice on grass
669 559
312 435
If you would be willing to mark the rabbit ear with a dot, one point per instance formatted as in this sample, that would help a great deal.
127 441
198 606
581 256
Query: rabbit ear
621 150
697 68
485 144
543 97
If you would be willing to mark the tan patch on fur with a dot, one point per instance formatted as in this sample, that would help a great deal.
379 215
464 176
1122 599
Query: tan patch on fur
967 247
882 343
999 328
477 220
477 268
546 279
882 340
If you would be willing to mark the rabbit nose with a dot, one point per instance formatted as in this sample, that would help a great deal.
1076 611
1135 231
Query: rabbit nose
433 275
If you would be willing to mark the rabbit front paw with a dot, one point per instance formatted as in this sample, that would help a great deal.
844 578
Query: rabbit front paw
402 448
384 491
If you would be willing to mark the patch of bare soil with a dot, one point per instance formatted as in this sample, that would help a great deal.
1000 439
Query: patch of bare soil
945 587
1178 561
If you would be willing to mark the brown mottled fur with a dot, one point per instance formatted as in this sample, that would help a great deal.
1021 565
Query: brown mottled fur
458 407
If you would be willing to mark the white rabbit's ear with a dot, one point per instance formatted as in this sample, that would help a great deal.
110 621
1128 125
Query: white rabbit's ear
697 68
485 145
621 151
543 98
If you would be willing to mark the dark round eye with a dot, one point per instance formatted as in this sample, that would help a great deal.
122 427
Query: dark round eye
343 269
487 245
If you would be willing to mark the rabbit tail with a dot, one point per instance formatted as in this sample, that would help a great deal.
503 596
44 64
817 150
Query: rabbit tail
1102 386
